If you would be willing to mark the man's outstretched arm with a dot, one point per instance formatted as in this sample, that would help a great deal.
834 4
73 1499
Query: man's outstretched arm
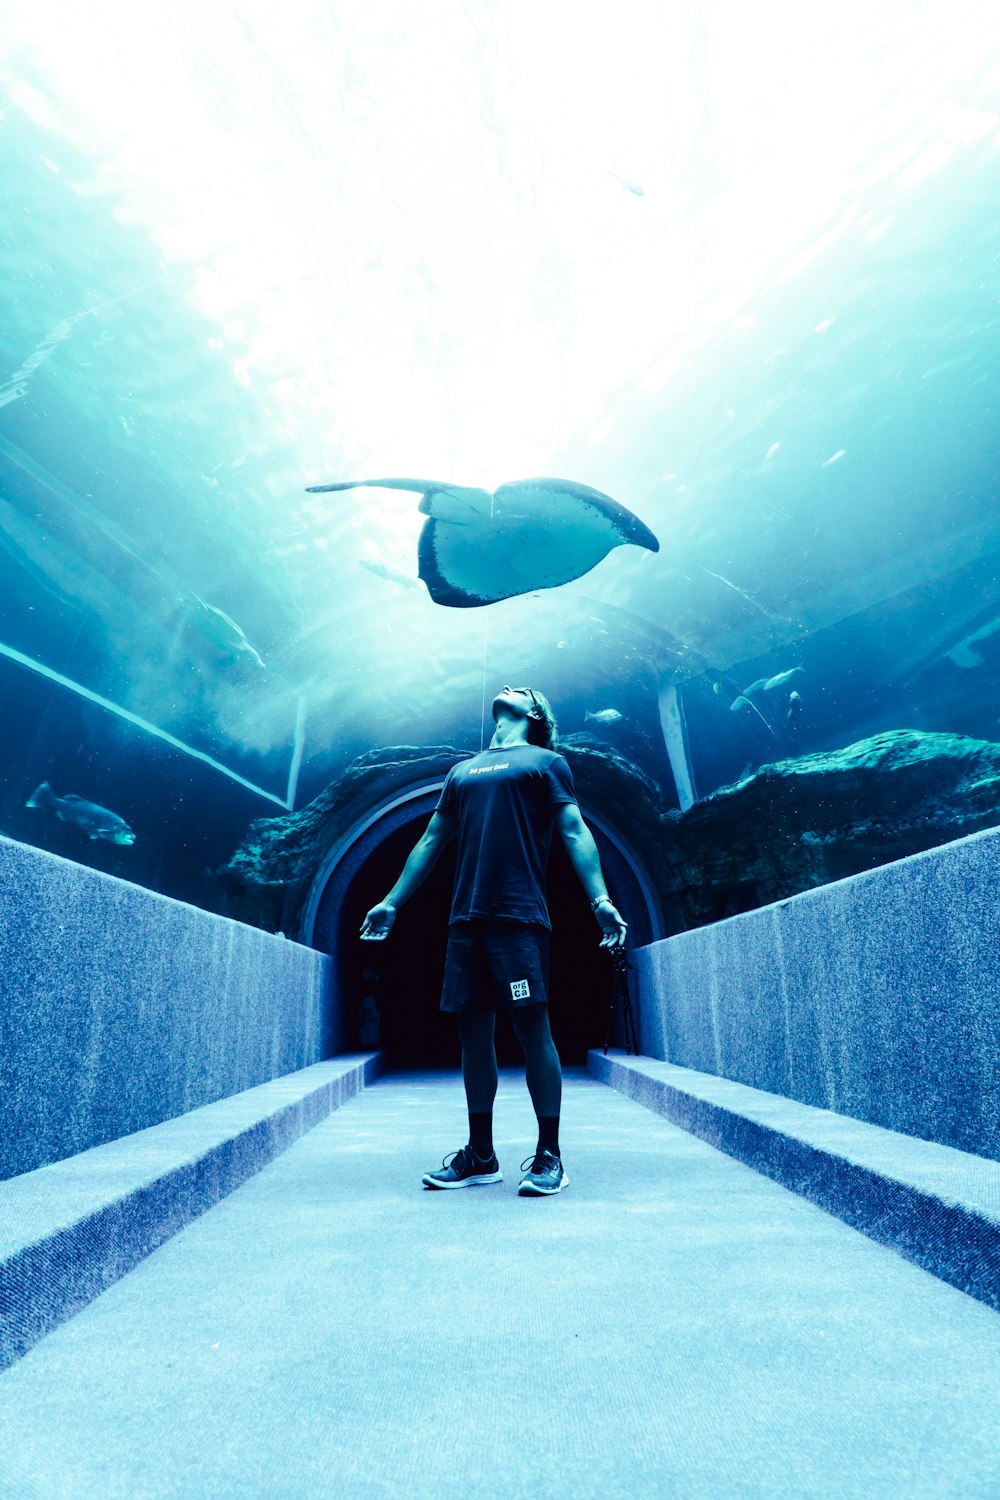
586 862
421 861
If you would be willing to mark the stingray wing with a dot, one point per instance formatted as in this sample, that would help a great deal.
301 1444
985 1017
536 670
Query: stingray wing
562 502
446 561
540 533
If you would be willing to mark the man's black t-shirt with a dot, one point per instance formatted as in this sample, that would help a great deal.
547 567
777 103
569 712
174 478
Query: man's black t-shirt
503 801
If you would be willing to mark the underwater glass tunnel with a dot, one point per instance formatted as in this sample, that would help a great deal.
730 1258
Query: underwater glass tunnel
294 319
362 361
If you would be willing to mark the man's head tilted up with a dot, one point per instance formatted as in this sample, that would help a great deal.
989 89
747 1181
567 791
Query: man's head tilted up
523 716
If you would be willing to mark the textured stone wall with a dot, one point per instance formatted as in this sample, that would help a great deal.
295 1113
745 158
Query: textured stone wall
120 1008
877 996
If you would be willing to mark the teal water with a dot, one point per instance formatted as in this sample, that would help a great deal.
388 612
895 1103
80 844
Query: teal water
738 273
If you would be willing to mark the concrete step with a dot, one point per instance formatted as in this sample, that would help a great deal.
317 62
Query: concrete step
70 1230
937 1206
673 1326
73 1228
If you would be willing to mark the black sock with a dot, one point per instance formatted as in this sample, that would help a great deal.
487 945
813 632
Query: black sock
548 1133
481 1134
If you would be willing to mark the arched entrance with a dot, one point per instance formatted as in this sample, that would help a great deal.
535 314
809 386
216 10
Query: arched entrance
401 977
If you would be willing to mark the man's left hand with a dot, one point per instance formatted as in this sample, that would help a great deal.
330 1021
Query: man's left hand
613 925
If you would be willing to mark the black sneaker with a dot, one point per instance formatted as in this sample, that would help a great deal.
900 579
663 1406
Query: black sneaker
547 1175
466 1169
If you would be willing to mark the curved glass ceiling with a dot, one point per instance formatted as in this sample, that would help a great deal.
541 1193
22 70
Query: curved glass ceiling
735 267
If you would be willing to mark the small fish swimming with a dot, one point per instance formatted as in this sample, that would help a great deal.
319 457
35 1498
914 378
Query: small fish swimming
771 684
834 458
221 632
771 451
794 707
603 716
95 821
630 187
477 547
965 654
389 572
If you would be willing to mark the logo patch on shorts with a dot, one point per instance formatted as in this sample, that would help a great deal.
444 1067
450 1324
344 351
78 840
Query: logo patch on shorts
519 989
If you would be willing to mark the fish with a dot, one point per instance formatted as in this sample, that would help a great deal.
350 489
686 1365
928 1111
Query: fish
603 716
964 654
95 821
221 632
771 451
783 678
478 547
630 187
770 684
388 571
794 707
834 458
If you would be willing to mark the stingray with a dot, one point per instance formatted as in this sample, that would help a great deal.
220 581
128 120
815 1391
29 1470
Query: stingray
476 547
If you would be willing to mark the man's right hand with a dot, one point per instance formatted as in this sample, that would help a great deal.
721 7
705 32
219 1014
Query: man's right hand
378 922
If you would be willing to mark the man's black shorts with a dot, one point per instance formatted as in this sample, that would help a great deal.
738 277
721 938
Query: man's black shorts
495 966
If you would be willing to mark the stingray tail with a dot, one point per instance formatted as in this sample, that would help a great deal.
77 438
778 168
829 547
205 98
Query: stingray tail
762 719
381 484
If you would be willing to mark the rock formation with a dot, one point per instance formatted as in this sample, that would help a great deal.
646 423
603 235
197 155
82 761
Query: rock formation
268 876
802 823
788 827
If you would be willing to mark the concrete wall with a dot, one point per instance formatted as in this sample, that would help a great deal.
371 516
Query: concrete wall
877 997
120 1008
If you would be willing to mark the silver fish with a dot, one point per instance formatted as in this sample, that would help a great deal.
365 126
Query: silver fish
477 547
603 716
771 684
220 631
95 821
630 187
965 654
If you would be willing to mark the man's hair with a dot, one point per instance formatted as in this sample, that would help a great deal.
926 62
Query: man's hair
543 731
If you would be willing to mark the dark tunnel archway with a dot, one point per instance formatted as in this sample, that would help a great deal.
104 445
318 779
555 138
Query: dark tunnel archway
388 993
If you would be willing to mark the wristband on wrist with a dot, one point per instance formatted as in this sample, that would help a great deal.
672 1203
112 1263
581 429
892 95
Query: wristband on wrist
599 901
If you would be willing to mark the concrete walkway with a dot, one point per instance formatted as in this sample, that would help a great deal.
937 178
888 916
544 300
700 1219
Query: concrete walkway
672 1325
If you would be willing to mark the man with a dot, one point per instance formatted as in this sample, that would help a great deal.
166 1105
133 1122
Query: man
502 804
